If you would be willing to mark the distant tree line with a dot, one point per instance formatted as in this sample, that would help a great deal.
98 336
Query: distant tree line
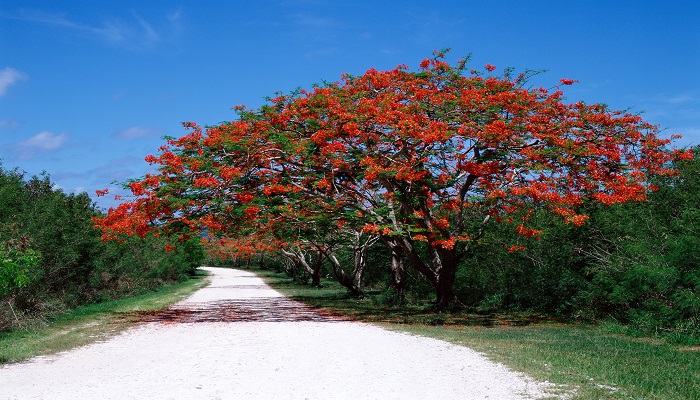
53 258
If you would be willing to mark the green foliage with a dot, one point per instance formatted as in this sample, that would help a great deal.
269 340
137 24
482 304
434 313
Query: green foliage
16 269
53 258
635 263
543 278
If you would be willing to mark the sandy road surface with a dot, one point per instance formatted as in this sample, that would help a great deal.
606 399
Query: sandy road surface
239 339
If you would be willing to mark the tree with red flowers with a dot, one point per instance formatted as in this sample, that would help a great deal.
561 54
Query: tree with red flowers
424 160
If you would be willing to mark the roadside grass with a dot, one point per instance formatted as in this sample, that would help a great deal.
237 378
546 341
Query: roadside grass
91 323
580 361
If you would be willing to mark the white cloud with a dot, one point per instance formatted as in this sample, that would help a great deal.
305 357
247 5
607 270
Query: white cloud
9 77
44 141
136 132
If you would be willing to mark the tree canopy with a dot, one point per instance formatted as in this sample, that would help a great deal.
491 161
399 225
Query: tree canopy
421 161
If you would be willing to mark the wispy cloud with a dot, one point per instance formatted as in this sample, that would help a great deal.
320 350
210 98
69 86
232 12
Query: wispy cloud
175 18
314 22
9 77
69 175
42 142
318 35
667 99
136 132
148 33
132 33
690 136
671 109
8 123
678 98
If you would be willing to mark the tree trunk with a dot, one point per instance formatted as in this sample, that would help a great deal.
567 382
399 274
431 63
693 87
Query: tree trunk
316 273
295 268
359 270
446 275
299 258
441 272
398 266
397 272
348 281
417 263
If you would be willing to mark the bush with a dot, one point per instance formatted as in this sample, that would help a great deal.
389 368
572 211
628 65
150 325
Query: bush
54 258
634 263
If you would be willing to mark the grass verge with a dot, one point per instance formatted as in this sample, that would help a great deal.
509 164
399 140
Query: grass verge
581 361
91 323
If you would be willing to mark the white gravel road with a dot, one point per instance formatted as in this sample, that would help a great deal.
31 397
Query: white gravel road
239 339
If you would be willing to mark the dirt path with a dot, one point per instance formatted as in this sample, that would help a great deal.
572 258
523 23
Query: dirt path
239 339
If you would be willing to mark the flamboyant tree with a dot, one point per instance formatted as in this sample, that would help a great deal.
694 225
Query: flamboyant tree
424 160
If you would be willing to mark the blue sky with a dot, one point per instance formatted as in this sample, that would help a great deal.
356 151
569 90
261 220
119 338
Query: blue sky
88 88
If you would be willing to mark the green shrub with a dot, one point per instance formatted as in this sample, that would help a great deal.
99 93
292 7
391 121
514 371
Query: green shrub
54 259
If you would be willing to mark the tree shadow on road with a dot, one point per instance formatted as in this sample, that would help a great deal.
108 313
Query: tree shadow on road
263 309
